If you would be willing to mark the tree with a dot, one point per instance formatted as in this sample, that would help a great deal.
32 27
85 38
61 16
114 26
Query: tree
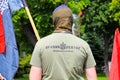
115 8
96 19
96 45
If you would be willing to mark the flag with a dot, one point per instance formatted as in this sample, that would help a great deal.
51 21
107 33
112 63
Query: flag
2 37
9 60
115 62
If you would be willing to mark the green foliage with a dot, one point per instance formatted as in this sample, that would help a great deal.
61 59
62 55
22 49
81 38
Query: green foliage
20 18
96 18
98 26
97 15
115 8
24 66
24 61
96 45
78 5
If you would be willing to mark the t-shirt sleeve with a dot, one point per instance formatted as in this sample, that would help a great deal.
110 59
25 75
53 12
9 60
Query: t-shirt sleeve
90 61
36 56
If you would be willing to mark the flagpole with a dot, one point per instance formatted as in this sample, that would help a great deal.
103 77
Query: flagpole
31 20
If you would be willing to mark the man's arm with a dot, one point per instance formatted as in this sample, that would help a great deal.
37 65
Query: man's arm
35 73
91 73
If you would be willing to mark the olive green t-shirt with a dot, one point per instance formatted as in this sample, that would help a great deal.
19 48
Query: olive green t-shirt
62 56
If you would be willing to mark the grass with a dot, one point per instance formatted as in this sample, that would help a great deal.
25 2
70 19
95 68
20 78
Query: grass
101 76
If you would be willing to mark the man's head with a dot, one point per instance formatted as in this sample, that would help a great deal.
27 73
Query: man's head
62 19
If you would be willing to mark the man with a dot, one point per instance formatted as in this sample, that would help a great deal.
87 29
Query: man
61 55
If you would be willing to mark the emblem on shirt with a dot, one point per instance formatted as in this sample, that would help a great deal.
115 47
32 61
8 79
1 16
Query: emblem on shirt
63 47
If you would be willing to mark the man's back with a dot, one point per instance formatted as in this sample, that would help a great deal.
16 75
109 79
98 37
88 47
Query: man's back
63 56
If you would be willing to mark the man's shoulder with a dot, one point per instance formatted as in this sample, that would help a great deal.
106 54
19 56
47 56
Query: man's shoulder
44 39
81 41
